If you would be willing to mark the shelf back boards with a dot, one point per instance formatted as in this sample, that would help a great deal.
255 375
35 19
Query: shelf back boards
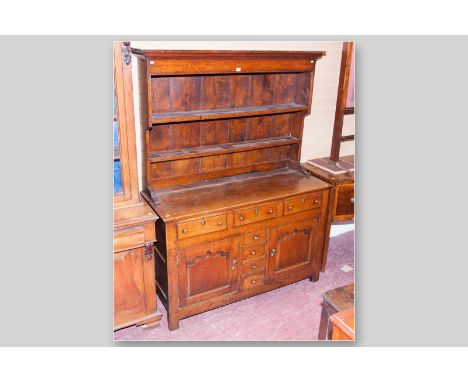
212 114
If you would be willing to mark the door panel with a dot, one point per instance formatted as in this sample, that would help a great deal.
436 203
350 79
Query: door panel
293 248
134 290
207 271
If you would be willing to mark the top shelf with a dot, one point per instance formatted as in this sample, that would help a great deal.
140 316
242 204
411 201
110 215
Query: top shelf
203 115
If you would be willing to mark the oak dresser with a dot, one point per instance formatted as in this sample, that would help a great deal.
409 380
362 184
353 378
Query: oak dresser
222 138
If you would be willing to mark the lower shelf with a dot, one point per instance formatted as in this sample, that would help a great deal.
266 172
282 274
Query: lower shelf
221 149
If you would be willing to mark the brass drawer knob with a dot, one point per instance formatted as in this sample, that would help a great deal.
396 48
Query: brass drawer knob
316 201
254 266
253 253
302 200
270 211
241 218
273 252
184 231
290 208
253 281
257 211
352 200
255 237
203 222
220 223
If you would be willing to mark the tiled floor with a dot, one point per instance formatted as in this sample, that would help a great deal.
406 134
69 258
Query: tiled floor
288 313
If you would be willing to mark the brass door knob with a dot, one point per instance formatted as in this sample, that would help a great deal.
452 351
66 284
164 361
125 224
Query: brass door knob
352 200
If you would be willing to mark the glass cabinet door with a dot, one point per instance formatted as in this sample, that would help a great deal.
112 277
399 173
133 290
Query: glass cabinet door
117 160
126 186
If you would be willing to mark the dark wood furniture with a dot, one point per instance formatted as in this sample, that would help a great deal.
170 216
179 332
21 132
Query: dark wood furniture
334 301
343 202
342 206
134 220
343 325
341 194
223 134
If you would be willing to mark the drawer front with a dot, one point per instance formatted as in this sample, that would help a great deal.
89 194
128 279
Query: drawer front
256 237
253 265
254 251
201 226
255 214
344 207
253 281
128 238
302 203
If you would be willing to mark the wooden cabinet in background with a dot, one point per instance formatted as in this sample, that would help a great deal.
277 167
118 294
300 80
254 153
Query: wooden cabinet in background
343 188
134 220
134 277
222 136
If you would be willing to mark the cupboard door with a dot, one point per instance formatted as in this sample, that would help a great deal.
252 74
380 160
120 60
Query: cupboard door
134 286
293 248
207 271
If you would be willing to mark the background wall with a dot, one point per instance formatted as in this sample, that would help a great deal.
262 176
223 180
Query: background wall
318 126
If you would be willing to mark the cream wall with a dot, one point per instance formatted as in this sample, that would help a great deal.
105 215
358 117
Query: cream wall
318 126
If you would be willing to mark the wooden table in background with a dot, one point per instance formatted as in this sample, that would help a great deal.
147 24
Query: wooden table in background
343 325
334 301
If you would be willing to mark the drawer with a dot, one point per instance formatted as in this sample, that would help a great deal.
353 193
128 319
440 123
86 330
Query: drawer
255 214
254 251
253 265
128 238
302 203
256 237
344 207
201 226
253 280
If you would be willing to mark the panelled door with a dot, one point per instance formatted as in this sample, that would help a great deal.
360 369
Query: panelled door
134 292
208 271
294 249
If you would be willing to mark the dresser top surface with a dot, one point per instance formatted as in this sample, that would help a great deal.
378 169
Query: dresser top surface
136 214
236 191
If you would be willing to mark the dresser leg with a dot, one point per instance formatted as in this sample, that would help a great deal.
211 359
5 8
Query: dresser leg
173 323
314 277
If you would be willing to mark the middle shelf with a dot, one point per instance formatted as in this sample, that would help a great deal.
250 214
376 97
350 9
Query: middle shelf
236 112
165 156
